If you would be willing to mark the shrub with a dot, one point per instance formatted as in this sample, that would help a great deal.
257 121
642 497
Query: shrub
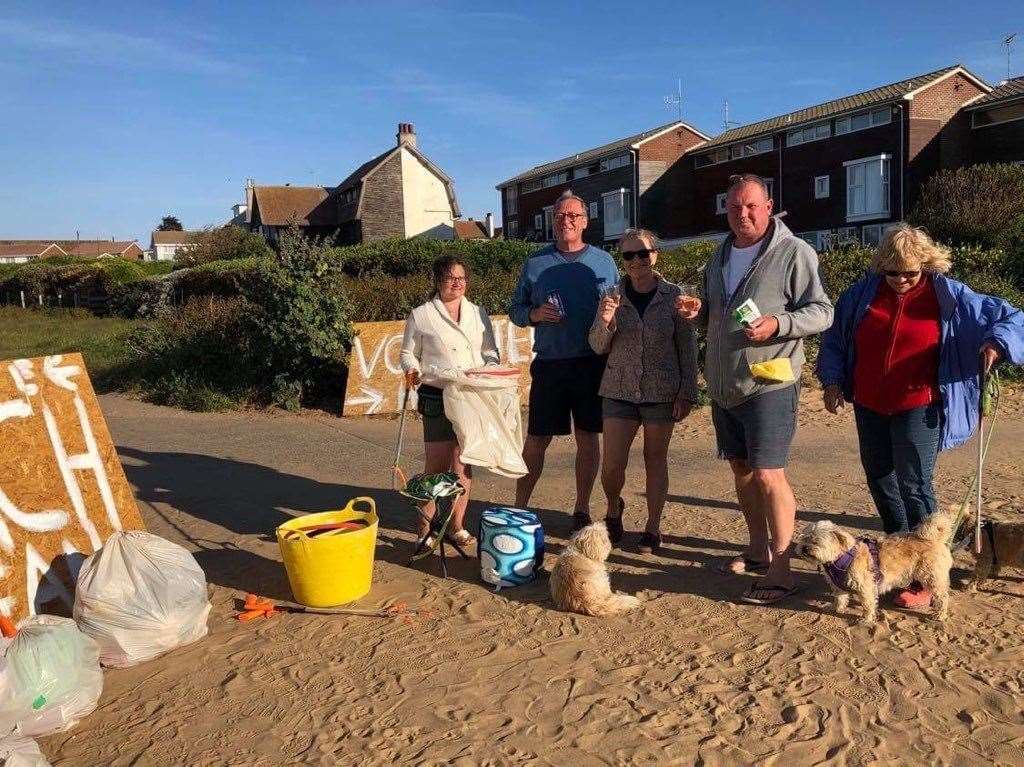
684 264
222 243
401 258
842 267
970 206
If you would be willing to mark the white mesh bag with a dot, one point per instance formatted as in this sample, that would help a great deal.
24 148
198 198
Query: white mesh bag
140 596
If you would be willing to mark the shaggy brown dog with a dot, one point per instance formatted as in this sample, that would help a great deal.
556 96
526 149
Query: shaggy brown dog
579 580
921 556
1002 543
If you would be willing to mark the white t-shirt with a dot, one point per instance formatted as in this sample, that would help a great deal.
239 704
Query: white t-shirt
736 266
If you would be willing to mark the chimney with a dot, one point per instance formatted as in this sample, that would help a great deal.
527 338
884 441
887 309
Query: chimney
489 219
406 135
238 209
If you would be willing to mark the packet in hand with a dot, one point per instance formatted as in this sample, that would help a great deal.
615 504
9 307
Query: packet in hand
746 313
555 299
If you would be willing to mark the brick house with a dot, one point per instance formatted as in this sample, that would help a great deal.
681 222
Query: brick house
21 251
399 193
471 229
844 169
624 183
995 124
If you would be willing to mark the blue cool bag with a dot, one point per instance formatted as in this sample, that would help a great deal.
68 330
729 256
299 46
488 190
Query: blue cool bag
511 546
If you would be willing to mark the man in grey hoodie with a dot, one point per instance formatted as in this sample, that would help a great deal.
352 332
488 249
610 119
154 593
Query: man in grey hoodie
755 417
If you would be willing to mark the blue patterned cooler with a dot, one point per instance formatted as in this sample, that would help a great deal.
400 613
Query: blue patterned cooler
511 546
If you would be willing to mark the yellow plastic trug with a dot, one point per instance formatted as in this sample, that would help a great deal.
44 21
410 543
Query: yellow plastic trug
778 370
330 569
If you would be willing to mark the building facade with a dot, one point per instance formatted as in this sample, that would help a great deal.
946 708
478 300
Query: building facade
624 184
164 245
995 124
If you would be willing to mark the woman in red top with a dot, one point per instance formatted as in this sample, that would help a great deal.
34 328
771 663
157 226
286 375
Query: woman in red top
895 376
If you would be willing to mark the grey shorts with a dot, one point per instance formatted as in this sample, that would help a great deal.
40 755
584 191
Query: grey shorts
644 412
759 430
430 405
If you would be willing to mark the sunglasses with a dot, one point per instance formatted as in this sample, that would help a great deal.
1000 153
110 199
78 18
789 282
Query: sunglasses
629 255
904 275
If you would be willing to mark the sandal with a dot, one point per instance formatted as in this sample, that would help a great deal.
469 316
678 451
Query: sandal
769 594
614 524
743 566
463 537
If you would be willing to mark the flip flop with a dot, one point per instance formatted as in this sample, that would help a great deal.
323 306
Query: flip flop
749 567
776 594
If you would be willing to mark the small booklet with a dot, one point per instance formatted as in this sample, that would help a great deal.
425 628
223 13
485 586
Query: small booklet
746 312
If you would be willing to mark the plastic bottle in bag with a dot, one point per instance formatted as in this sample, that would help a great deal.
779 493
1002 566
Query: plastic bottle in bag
140 596
50 677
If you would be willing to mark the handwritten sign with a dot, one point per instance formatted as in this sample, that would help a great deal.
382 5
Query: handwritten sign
62 488
375 380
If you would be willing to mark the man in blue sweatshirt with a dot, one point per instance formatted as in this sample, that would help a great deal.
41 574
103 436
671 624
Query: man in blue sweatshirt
557 294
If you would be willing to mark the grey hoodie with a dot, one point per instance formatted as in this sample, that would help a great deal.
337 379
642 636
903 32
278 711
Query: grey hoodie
782 280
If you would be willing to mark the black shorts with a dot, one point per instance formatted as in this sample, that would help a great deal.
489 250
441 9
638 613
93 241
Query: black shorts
430 405
760 430
563 393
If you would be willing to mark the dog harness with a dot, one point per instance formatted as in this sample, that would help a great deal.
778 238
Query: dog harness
838 572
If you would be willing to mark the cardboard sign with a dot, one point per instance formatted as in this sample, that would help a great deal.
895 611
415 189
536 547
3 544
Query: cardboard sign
62 489
375 380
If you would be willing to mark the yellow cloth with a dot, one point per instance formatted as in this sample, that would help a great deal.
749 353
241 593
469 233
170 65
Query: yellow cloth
778 370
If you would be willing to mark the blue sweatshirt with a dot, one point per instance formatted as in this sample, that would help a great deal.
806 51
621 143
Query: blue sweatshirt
579 279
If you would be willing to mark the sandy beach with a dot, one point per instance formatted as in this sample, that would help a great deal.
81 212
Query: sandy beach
478 678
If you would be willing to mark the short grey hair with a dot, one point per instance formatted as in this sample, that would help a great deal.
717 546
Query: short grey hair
567 195
640 234
739 179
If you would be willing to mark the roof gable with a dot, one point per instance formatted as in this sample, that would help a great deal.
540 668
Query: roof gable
1008 90
303 205
864 99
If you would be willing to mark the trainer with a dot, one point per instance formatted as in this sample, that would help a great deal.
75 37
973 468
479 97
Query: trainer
761 266
557 294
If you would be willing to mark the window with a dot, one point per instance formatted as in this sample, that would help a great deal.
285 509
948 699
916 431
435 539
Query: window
720 203
556 178
867 188
549 213
736 151
702 159
593 210
820 187
586 170
510 201
808 133
814 239
770 183
531 186
1000 114
863 120
538 222
871 235
513 228
610 163
616 212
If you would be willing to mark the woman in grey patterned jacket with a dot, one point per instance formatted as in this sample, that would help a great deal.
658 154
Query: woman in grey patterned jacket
650 378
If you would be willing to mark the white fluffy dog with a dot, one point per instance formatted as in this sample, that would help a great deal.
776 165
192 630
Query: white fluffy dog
579 580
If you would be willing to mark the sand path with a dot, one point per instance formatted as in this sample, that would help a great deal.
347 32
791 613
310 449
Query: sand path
694 677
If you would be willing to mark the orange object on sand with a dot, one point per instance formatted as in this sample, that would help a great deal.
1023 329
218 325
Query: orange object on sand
7 628
256 607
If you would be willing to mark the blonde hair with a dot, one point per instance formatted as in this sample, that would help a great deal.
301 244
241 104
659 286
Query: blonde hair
640 234
907 248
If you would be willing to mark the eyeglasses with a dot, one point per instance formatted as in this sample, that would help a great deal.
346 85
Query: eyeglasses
904 275
455 280
645 253
570 216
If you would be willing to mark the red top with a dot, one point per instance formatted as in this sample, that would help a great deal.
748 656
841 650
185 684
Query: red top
897 349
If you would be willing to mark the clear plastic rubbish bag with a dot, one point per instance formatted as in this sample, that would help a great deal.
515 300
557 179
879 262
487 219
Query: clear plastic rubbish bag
18 751
483 407
50 677
140 596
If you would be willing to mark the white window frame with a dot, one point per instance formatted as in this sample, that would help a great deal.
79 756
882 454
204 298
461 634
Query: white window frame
554 179
879 228
538 222
623 196
720 206
512 228
549 221
821 187
592 210
815 132
812 238
877 116
885 187
611 163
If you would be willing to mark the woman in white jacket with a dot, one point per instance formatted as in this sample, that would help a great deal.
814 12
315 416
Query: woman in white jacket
446 335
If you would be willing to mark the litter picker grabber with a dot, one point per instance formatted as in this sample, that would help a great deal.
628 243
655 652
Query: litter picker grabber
397 475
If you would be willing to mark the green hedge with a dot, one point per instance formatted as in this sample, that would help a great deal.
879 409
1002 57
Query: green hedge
402 258
67 275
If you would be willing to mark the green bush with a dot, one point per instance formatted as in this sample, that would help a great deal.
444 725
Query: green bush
222 243
842 267
68 275
402 258
970 206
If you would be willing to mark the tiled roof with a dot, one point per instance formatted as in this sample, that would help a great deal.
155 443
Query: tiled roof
80 248
31 248
868 98
171 237
470 230
361 172
305 205
593 154
1010 89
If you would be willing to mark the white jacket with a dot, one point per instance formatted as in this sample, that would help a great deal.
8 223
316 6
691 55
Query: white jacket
434 343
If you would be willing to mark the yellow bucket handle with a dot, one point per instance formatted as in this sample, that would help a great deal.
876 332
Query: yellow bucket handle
351 506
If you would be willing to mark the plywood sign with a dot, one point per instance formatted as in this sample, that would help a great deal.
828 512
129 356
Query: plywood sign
62 488
375 380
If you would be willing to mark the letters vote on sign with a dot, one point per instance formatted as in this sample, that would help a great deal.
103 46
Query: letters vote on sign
62 489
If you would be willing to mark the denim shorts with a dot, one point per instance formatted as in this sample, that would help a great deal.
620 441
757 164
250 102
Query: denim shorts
644 412
760 430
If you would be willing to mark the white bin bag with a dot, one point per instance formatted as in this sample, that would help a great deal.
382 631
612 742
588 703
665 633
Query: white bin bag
140 596
18 751
483 407
50 677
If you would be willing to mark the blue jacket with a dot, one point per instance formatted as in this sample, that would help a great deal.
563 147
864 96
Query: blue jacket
967 319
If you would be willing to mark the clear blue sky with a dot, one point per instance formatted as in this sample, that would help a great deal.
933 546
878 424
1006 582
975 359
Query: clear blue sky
113 115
